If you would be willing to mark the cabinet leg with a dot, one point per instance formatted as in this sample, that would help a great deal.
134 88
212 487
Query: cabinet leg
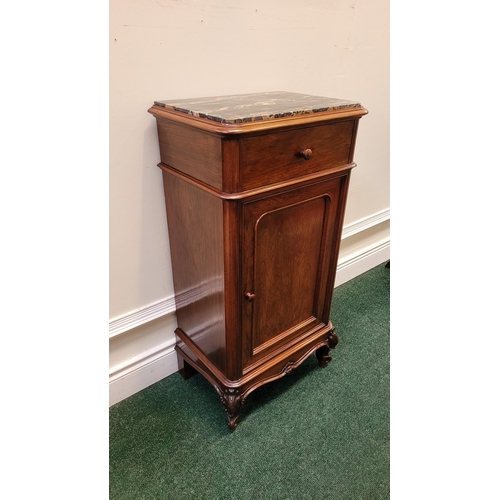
185 369
323 356
323 353
232 402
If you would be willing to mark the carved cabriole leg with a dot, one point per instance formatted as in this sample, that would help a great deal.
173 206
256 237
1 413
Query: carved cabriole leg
323 352
232 401
333 339
323 357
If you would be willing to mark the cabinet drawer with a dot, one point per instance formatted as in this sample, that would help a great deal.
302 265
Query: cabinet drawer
272 158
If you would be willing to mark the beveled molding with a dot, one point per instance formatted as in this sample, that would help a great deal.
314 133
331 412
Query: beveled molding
284 335
298 182
246 382
233 393
256 126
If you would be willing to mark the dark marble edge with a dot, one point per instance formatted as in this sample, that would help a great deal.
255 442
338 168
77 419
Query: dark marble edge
262 117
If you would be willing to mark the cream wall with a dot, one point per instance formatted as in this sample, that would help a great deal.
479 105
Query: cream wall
165 49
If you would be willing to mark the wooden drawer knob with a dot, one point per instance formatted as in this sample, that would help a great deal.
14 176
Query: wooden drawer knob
306 153
250 296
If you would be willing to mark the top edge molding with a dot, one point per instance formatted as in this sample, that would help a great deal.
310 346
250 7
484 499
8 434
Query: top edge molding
241 113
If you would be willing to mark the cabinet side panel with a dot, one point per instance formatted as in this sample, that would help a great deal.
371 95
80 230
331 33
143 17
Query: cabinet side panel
196 243
177 150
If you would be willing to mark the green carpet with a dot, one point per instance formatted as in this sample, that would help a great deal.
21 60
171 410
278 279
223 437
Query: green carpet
317 433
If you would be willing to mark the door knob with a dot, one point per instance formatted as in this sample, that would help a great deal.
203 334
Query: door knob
250 296
306 153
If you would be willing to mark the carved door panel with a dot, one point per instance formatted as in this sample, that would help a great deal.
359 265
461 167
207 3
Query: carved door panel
288 251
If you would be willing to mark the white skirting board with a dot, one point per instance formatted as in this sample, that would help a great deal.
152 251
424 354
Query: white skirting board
142 371
358 263
147 368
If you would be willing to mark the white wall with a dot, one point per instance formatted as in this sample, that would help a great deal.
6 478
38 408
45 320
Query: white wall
166 49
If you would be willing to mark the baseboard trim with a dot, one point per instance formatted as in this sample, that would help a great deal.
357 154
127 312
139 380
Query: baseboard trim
142 371
358 263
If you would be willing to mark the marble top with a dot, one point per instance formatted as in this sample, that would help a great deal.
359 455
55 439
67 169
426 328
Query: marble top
256 107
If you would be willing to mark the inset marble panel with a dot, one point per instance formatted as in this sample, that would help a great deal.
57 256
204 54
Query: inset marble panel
262 106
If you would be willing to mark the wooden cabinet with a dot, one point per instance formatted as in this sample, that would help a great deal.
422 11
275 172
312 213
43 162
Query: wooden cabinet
255 191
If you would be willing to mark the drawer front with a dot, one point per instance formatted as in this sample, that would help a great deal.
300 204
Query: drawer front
281 156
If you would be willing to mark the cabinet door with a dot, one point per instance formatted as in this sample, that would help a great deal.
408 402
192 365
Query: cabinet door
290 248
